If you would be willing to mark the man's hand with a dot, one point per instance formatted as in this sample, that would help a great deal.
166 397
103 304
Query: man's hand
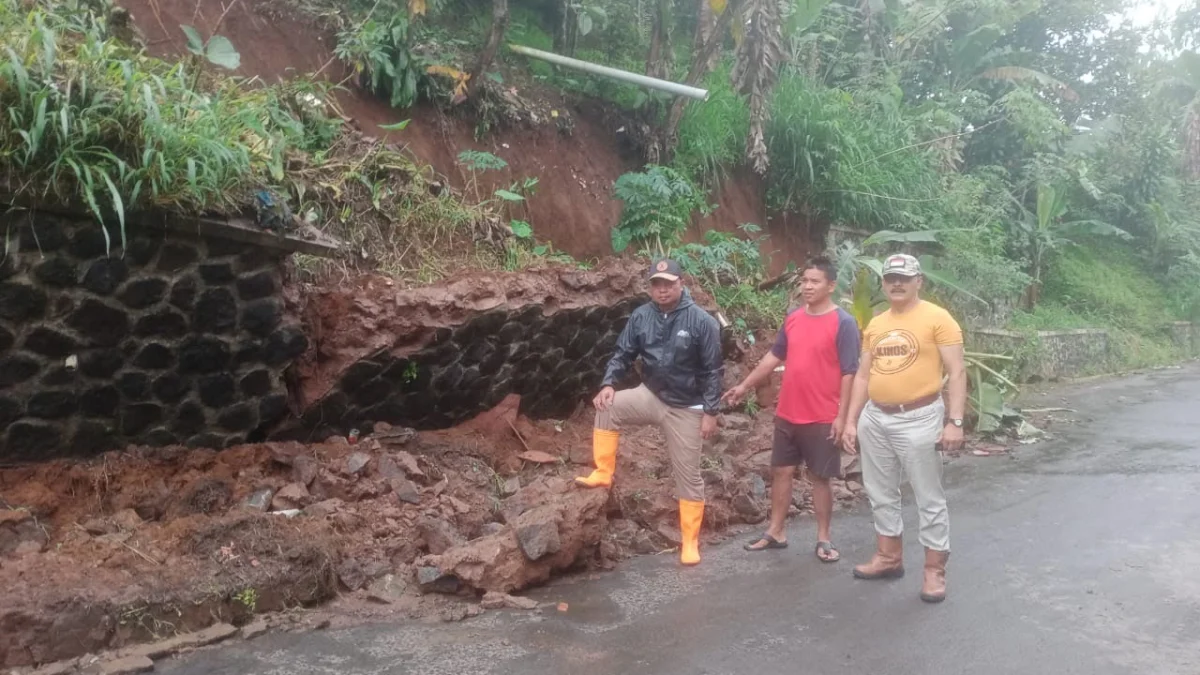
836 429
735 395
850 438
708 426
604 399
952 438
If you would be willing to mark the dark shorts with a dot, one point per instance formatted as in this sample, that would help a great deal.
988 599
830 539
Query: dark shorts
807 444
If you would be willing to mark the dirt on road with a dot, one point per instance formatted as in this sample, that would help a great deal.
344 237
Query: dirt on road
142 544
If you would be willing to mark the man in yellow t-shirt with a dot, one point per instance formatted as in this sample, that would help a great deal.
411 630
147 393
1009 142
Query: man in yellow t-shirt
898 413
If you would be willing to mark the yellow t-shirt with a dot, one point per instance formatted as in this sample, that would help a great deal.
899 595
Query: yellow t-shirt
905 362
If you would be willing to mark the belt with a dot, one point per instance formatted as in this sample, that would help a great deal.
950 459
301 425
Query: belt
911 405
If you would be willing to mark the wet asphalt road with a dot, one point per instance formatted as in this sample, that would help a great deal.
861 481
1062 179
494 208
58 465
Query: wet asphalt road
1077 555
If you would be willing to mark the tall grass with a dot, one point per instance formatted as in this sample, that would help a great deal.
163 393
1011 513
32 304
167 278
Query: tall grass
712 135
88 120
85 120
849 157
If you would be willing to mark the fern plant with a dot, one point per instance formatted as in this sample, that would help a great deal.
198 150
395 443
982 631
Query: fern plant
724 259
659 203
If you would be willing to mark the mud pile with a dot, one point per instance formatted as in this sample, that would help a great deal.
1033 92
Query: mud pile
139 545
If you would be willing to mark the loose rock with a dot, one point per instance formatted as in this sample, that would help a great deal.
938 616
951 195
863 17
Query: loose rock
510 486
493 600
305 470
325 508
537 532
439 535
405 490
351 574
387 589
292 496
260 500
499 563
357 462
748 508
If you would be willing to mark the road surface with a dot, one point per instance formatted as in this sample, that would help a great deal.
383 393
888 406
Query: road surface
1077 555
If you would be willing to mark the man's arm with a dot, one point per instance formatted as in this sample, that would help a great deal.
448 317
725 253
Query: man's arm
765 367
623 357
844 398
956 385
858 401
712 366
858 391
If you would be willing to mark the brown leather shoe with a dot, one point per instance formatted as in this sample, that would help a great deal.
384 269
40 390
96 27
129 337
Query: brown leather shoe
887 563
934 588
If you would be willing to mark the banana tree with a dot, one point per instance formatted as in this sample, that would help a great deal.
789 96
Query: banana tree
1044 231
860 274
989 391
1182 86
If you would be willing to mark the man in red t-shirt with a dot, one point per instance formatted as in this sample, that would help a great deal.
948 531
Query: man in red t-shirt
819 346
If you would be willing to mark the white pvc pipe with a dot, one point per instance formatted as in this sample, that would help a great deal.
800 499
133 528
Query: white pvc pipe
616 74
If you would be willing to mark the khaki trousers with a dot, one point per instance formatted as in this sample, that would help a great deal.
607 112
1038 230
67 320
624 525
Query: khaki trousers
681 426
905 444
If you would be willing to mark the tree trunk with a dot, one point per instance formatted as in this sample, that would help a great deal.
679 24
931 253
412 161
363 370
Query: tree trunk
491 47
560 35
703 60
659 59
706 21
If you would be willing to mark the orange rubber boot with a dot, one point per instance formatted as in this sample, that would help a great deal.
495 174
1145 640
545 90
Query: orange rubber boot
691 514
604 454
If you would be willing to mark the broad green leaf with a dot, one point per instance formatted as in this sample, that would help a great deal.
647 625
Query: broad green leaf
398 126
521 229
718 6
621 238
220 52
585 24
888 236
804 15
509 196
987 423
195 43
947 280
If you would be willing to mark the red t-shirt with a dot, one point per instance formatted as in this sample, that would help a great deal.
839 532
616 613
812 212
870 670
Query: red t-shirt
817 351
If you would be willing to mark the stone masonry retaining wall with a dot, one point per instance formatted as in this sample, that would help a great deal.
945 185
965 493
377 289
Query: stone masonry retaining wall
552 361
1052 354
176 339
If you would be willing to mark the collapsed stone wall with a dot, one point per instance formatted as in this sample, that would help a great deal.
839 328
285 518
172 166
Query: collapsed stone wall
433 357
173 339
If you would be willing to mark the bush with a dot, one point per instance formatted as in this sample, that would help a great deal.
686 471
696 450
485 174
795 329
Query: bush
378 51
659 203
724 259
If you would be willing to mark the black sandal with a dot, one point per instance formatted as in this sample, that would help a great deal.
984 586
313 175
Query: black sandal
826 546
772 542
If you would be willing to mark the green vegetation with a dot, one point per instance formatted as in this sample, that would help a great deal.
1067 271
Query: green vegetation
1040 155
89 120
658 207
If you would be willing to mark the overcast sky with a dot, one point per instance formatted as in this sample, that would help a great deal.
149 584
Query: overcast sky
1145 11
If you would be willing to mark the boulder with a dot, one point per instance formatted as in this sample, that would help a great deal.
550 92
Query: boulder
500 562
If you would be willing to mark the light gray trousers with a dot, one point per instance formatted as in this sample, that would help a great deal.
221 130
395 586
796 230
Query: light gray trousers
905 443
